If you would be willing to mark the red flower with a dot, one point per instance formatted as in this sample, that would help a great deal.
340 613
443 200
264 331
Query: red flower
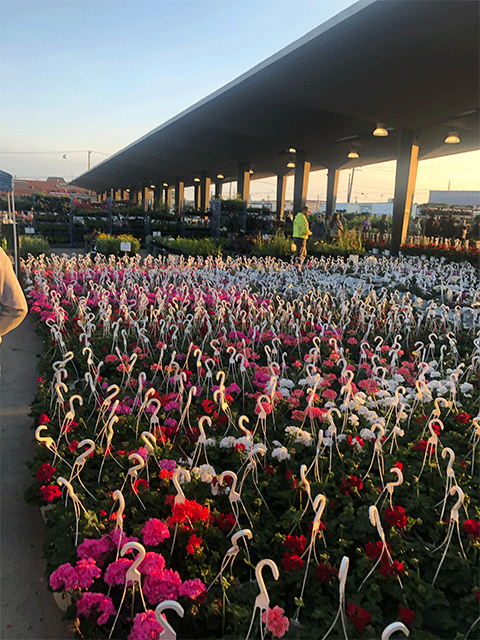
290 562
269 470
389 569
194 543
189 510
351 483
225 522
358 617
50 492
462 417
45 472
141 482
298 544
407 616
73 446
377 550
325 572
472 529
395 516
44 419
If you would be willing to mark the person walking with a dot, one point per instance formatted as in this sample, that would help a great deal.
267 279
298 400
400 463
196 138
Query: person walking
301 232
13 306
336 227
318 228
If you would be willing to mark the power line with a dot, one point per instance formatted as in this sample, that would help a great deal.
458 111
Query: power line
102 153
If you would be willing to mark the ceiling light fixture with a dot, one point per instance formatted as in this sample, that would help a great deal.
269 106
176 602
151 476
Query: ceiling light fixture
196 179
380 131
292 150
353 153
452 137
291 165
152 186
251 171
165 184
220 176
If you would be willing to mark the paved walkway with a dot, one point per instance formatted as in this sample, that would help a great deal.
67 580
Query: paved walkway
27 607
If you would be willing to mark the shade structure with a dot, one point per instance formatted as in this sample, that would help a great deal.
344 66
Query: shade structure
377 61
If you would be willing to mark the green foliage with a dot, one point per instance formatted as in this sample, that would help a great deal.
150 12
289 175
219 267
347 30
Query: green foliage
278 246
196 246
350 241
34 245
108 244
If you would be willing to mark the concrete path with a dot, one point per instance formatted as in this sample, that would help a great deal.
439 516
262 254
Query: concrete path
27 607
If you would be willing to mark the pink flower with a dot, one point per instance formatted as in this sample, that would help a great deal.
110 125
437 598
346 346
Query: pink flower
65 576
152 562
117 536
192 588
117 571
154 532
162 585
329 394
145 626
96 549
87 571
277 623
91 604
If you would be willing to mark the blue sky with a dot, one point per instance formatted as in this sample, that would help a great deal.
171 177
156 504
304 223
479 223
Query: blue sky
98 74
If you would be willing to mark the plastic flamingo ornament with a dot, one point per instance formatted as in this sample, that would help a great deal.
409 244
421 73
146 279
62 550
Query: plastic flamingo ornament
342 577
80 463
168 632
432 445
70 415
77 505
450 482
374 517
234 496
454 522
201 442
180 496
133 577
377 451
232 553
319 505
393 628
49 443
391 485
262 600
118 496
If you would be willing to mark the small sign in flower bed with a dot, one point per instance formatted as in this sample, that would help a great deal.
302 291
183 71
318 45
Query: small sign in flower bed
255 450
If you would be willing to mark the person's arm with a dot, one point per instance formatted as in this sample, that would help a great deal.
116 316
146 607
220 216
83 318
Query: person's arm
13 306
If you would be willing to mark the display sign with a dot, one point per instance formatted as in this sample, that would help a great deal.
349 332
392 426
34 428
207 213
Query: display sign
6 181
125 246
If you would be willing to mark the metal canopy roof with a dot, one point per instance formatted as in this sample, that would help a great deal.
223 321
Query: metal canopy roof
407 64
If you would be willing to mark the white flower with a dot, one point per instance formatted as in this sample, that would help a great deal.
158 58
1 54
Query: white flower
210 442
206 472
341 437
354 421
247 443
366 434
466 387
227 443
281 453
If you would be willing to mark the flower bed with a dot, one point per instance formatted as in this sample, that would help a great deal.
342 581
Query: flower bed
358 443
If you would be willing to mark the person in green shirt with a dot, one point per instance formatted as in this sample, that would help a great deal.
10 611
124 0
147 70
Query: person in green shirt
301 232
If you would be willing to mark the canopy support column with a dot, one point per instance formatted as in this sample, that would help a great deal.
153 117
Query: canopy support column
300 187
405 180
281 187
179 195
243 181
332 188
